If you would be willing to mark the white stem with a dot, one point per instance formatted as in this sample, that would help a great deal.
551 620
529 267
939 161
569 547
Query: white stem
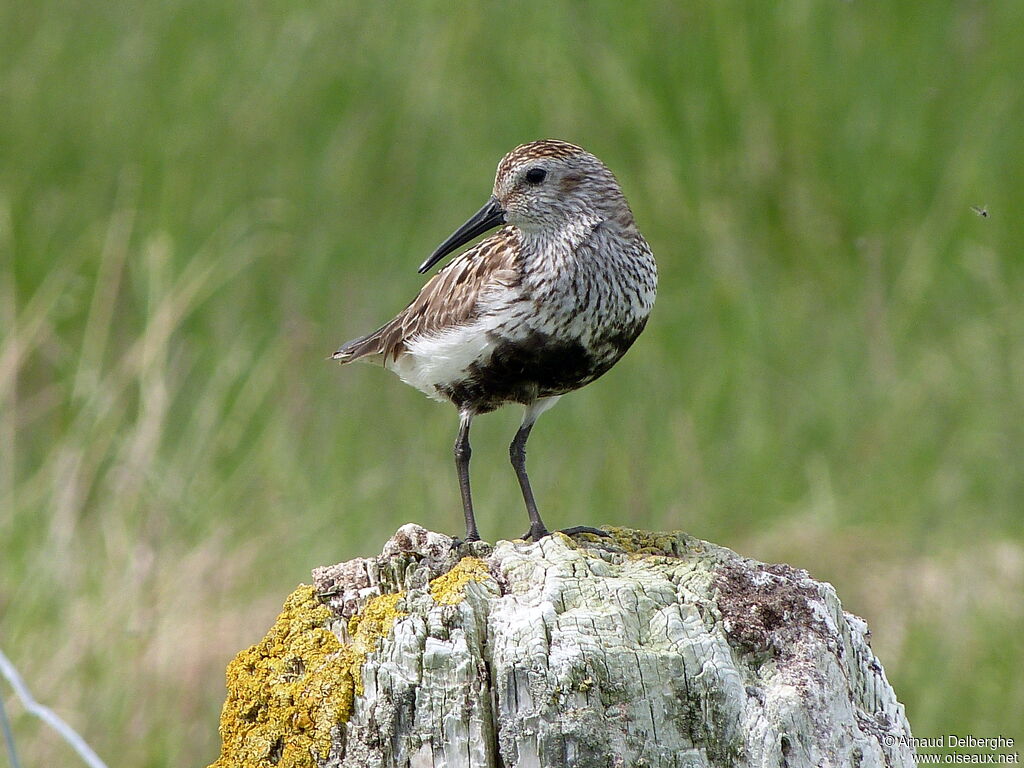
47 715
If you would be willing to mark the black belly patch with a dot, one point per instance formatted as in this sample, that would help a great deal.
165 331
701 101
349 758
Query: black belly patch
532 367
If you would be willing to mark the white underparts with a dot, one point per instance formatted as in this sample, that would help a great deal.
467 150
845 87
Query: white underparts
437 359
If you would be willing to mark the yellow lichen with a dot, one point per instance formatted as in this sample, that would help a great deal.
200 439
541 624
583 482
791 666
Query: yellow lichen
367 627
287 692
450 588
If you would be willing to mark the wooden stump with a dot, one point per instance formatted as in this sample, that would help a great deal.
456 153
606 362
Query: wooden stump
643 649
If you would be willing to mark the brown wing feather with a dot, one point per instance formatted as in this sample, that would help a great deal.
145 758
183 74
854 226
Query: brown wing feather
450 298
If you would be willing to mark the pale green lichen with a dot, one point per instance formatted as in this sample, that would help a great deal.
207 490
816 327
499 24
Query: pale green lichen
288 692
646 543
450 588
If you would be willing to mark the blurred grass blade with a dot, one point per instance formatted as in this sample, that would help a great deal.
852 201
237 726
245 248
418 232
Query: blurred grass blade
5 725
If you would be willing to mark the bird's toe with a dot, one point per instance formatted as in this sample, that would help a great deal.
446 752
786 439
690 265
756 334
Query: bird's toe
536 533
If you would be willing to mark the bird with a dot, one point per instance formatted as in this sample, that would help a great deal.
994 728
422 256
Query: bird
543 306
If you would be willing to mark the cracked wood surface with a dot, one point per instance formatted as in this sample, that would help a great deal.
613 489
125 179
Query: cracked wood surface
638 650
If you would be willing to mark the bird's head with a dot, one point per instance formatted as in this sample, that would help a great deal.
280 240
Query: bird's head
544 186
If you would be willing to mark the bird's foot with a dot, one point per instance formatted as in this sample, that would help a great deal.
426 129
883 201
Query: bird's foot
458 543
538 532
471 546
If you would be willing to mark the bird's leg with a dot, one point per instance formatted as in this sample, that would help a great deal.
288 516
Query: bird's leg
462 454
517 453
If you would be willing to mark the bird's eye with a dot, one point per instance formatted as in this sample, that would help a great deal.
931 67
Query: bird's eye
536 175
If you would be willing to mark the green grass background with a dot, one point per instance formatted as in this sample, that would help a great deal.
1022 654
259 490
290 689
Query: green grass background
200 200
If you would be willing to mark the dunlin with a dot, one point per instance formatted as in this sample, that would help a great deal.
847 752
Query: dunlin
540 308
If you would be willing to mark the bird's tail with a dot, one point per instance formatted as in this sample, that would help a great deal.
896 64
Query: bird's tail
363 347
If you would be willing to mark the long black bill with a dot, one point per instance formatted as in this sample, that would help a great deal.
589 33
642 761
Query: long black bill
488 217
